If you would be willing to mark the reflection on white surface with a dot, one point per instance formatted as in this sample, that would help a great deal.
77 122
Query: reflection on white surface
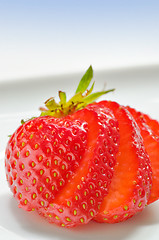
2 154
143 226
8 235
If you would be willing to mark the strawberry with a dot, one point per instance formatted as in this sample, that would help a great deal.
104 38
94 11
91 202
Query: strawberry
151 142
61 163
152 123
130 187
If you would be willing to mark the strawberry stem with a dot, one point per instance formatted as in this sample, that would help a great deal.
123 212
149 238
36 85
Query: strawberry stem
82 98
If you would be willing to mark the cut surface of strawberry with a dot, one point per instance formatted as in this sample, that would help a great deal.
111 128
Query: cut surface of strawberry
151 142
152 123
80 199
130 187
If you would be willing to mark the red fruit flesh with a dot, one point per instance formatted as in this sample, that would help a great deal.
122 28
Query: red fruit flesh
130 187
81 198
152 123
151 142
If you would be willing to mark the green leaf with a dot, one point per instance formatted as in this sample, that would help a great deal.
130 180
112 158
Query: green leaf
85 81
76 98
94 96
51 104
62 96
91 89
47 113
22 121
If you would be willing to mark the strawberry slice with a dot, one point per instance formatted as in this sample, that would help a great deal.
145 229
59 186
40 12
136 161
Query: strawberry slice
151 142
80 199
130 187
152 123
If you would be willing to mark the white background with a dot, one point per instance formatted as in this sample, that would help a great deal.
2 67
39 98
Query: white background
44 38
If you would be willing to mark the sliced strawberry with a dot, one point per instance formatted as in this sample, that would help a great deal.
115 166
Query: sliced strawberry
63 167
151 142
41 157
80 199
130 187
61 163
152 123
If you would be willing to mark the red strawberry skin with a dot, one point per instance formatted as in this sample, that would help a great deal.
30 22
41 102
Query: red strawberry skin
63 167
41 157
130 187
151 142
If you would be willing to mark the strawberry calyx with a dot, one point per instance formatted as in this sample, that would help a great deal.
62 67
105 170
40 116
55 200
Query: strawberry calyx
83 96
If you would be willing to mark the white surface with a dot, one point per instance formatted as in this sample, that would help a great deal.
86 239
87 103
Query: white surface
136 87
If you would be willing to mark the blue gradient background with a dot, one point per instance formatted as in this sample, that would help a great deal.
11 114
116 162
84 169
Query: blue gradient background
51 37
